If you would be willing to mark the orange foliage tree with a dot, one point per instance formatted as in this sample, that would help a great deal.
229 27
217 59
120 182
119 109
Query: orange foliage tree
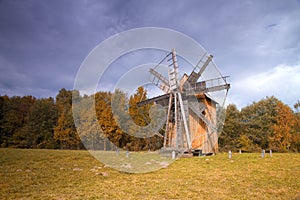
281 137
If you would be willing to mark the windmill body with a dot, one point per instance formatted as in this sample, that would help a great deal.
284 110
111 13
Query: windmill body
191 123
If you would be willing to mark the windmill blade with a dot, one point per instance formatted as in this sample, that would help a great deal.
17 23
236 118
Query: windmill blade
163 100
196 73
173 71
212 89
160 81
211 85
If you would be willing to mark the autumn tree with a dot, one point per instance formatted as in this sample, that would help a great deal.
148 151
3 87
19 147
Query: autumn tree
141 117
139 114
65 131
106 120
295 146
280 138
87 124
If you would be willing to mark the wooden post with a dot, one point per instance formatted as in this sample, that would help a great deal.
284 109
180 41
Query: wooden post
263 153
173 155
104 145
229 154
176 121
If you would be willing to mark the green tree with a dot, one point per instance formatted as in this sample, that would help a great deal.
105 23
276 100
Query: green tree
245 144
297 106
17 116
257 120
231 130
5 135
38 130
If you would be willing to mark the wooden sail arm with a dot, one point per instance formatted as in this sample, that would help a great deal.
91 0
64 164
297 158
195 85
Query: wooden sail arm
211 85
162 99
211 89
159 76
196 73
160 81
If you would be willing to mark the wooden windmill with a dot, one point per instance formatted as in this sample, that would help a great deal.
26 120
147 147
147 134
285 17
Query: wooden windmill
191 113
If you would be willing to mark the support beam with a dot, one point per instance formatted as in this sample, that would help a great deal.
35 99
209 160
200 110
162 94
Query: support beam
187 132
162 100
168 119
176 119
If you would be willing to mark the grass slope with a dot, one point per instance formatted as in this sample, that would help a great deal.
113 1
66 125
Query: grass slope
55 174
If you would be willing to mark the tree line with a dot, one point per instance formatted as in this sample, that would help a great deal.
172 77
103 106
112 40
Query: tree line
29 122
266 124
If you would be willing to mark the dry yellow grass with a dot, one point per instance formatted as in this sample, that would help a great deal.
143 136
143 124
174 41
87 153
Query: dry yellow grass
55 174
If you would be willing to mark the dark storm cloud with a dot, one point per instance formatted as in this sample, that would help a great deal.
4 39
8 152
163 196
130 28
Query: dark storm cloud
44 42
31 43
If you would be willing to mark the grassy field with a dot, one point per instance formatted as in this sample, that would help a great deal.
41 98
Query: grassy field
57 174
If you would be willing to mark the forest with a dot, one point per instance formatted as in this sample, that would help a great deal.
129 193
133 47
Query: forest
29 122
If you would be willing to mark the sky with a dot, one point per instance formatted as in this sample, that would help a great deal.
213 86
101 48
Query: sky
256 43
